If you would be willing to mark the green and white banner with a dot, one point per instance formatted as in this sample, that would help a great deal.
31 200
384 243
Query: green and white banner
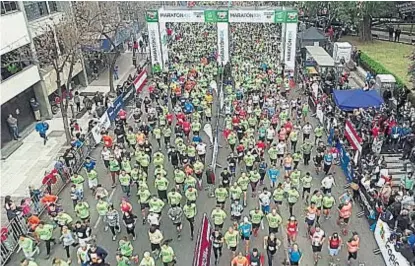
223 43
252 16
181 16
216 16
290 40
152 16
155 45
164 49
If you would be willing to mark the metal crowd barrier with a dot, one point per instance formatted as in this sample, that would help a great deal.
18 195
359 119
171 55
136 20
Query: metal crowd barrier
18 226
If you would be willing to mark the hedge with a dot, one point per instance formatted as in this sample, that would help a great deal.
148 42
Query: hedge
377 68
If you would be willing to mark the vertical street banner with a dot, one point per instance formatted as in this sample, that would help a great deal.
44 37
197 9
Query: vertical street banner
291 20
140 81
164 40
203 249
154 39
223 42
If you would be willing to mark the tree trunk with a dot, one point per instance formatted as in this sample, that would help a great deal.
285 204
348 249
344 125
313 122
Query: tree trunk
61 105
113 61
366 28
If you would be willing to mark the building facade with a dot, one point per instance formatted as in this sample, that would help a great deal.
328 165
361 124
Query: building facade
22 77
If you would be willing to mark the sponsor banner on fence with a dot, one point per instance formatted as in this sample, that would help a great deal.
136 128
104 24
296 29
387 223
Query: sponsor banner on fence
155 46
140 81
203 248
163 38
181 16
216 16
115 107
104 122
291 16
223 43
352 136
290 46
252 16
389 254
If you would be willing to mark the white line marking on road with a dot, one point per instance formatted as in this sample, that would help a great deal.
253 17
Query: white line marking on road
109 199
129 117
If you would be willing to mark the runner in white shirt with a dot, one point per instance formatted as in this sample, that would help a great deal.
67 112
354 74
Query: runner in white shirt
307 128
270 135
201 151
105 155
317 240
265 200
327 183
153 219
281 146
255 99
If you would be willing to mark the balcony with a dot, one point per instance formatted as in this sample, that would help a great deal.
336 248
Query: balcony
19 82
14 33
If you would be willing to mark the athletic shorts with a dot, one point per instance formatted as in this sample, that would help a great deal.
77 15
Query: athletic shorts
288 168
307 189
244 237
333 251
255 226
144 206
280 155
309 222
265 209
317 248
326 208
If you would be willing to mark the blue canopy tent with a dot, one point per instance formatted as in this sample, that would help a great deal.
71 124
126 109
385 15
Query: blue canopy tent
348 100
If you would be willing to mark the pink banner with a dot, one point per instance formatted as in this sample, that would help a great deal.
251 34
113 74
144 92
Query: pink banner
140 81
203 249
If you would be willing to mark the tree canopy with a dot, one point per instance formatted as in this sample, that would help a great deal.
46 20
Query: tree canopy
359 13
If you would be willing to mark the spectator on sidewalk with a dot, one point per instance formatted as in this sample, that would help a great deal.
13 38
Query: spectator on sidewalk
36 108
390 30
397 33
77 101
116 69
14 129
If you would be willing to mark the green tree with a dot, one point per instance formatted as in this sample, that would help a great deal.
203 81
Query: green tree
359 13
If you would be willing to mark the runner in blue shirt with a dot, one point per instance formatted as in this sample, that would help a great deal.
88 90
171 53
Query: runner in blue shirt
328 159
273 174
245 229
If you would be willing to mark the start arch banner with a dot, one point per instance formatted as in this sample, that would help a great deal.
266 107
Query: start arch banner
156 21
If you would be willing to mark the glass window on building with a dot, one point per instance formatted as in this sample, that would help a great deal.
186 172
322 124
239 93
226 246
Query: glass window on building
53 6
35 10
15 61
9 7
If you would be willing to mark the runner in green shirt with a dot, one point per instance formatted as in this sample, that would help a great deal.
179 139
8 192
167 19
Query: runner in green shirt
328 203
125 182
155 205
28 247
295 178
221 195
293 197
256 219
318 133
231 238
249 160
102 209
167 254
190 211
82 210
218 216
157 134
114 167
174 197
143 198
274 221
273 153
161 184
235 192
243 182
191 194
278 194
125 247
306 181
147 260
45 232
179 176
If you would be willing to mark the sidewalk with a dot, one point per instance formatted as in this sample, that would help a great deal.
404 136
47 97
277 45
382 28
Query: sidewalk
27 165
382 35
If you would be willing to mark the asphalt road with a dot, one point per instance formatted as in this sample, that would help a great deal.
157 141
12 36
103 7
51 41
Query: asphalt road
185 247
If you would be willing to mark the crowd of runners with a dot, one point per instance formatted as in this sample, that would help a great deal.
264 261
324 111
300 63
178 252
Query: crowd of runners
271 141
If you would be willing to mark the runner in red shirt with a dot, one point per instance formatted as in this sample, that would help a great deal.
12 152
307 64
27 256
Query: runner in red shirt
261 147
186 128
169 118
235 121
242 113
288 126
180 118
240 151
123 116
